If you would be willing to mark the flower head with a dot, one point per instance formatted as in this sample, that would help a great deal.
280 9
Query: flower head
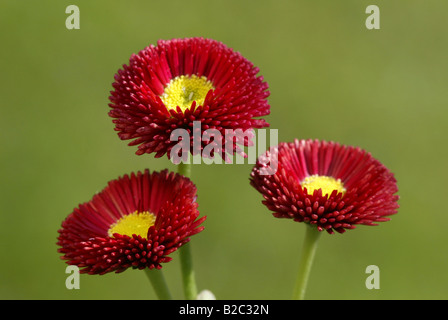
136 221
332 186
180 81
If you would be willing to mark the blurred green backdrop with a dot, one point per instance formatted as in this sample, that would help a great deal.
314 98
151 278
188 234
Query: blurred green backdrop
330 78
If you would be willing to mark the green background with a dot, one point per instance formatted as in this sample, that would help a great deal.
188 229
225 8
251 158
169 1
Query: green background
330 78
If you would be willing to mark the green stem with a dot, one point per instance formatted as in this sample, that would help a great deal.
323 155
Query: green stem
184 169
158 283
186 258
189 282
306 261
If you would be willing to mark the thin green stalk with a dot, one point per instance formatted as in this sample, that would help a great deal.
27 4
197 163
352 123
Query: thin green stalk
189 281
306 261
158 283
184 169
186 258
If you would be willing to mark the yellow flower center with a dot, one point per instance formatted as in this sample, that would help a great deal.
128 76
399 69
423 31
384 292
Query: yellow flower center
327 184
183 90
134 223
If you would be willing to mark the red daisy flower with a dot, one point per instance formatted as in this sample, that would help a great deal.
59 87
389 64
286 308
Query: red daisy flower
136 221
326 184
179 81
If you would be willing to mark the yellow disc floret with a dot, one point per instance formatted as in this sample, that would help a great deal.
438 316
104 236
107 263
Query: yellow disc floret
134 223
327 184
183 90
